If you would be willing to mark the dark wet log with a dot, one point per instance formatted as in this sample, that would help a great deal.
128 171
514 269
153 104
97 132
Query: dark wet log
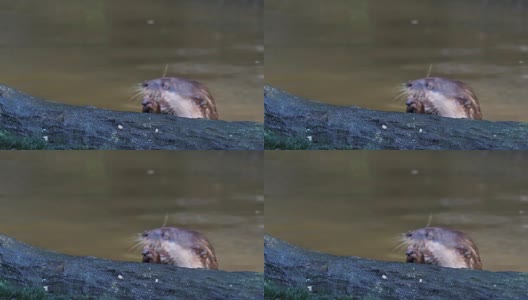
74 277
75 127
291 120
335 276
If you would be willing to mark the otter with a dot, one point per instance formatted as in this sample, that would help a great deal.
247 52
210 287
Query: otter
179 247
442 97
442 247
179 97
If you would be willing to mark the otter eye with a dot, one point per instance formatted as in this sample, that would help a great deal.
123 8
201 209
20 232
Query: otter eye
145 83
145 234
409 84
408 234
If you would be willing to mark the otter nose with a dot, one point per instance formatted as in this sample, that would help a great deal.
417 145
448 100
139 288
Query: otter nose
408 102
145 102
145 252
409 252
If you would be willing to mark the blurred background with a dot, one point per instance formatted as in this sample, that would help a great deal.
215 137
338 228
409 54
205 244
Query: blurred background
96 203
359 52
96 52
359 203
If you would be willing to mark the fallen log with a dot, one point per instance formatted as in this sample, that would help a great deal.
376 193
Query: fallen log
334 277
93 278
62 126
297 123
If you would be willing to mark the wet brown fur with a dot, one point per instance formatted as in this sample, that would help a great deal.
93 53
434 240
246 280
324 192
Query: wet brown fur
157 248
443 247
161 96
443 97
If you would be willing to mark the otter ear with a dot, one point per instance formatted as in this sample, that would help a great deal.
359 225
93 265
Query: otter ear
429 85
464 101
464 251
165 85
200 101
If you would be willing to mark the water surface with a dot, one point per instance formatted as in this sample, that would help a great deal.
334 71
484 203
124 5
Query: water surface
95 203
95 52
359 52
360 204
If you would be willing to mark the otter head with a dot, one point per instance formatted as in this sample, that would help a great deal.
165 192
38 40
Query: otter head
443 97
152 91
178 97
442 247
179 247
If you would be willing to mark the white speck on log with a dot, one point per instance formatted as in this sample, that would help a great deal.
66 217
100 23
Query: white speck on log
309 288
119 126
120 277
384 126
309 138
384 277
45 138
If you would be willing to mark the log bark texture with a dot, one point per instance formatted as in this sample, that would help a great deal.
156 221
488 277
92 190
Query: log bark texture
94 278
335 277
75 127
325 126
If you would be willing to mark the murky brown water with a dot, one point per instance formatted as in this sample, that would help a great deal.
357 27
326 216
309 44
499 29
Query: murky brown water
95 52
359 203
358 52
94 203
